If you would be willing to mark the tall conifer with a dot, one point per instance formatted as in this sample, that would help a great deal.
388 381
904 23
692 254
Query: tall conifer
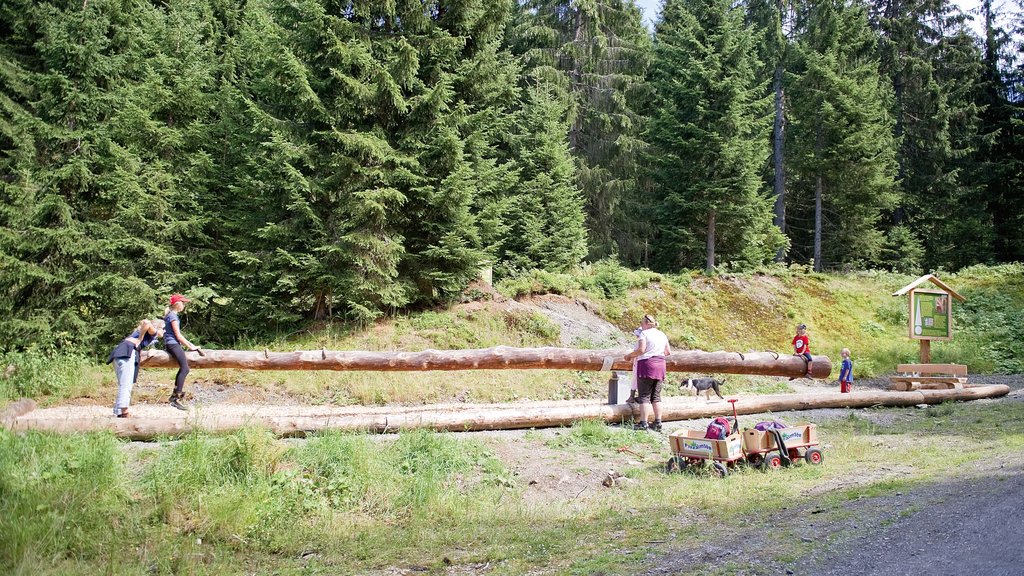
841 148
600 51
98 211
708 140
933 70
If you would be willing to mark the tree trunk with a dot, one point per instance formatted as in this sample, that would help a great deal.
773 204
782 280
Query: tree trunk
500 358
778 135
817 223
487 417
818 185
710 262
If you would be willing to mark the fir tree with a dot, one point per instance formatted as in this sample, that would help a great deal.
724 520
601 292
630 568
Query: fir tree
775 21
708 138
1003 123
841 148
544 220
599 52
381 135
96 212
933 71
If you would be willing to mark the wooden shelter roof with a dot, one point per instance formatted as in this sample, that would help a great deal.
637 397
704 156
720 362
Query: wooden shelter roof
929 278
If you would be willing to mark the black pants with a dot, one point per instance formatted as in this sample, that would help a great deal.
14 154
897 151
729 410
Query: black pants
179 380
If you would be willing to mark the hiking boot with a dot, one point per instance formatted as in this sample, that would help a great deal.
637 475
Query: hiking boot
641 426
177 404
656 426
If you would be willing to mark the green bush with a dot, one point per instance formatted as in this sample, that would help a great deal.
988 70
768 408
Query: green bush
536 282
34 374
608 278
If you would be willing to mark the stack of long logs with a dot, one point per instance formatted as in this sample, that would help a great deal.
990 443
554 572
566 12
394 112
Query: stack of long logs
301 420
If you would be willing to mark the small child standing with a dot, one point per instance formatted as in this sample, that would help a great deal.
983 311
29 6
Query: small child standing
846 372
802 346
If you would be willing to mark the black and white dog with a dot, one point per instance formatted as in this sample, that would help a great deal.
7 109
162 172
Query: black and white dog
705 385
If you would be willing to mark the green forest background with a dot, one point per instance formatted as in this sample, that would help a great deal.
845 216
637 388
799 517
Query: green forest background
292 163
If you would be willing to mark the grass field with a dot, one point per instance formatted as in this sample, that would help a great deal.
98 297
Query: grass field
358 504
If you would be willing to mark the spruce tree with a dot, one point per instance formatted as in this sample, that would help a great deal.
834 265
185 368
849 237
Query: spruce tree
97 215
598 51
378 153
840 146
933 71
1003 124
708 137
544 220
774 19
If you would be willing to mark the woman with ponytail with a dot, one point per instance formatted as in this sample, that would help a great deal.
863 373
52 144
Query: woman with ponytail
173 342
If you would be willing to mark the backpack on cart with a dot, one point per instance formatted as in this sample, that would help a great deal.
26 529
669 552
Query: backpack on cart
719 429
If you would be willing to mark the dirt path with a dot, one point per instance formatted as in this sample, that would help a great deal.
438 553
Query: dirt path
968 526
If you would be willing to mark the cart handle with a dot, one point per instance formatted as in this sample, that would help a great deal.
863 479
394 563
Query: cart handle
735 418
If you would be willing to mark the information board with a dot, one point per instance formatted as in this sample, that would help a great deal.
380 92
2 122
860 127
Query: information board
930 315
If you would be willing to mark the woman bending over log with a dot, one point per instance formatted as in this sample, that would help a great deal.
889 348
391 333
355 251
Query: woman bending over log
125 357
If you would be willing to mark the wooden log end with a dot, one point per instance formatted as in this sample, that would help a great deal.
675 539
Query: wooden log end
16 410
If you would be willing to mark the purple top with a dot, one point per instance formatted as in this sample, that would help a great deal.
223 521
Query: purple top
653 368
170 318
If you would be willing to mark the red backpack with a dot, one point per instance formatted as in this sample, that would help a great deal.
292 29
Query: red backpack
718 429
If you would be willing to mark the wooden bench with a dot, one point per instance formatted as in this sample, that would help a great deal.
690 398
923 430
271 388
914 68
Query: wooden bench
928 376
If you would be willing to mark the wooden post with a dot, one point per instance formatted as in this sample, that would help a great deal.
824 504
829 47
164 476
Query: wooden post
926 352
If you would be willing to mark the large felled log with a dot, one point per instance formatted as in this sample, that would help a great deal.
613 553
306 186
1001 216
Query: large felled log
501 357
489 417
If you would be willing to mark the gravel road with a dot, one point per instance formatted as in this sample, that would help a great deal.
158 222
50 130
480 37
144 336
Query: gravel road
968 524
967 527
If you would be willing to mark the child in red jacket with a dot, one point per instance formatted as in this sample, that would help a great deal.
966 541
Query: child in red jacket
802 346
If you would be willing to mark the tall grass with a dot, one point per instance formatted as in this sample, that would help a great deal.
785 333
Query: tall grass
62 498
351 504
40 374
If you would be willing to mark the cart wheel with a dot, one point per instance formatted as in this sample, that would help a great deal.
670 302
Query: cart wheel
755 460
814 456
721 470
675 465
772 462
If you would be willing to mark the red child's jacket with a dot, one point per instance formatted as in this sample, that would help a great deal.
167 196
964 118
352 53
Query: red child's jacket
801 344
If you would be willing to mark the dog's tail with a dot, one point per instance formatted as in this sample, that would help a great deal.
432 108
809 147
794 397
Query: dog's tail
717 389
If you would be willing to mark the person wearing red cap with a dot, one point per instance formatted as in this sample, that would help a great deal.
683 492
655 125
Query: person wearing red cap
173 342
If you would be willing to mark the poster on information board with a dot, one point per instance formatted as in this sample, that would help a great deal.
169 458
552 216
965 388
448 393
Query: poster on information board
930 317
